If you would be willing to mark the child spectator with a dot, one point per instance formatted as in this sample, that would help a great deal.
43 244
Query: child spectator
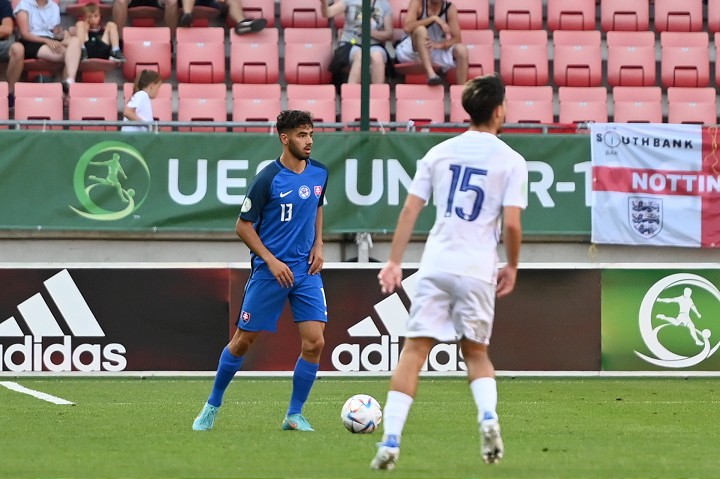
98 41
139 108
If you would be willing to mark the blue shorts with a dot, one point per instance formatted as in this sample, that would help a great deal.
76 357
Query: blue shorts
264 300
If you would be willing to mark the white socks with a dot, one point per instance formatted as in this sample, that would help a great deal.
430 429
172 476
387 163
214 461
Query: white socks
396 412
484 392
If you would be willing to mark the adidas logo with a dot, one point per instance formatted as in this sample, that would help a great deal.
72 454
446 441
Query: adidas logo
33 354
383 356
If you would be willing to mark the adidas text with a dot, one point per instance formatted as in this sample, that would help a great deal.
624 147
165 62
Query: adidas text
33 355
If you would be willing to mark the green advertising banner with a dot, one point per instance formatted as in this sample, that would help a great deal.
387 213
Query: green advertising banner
114 181
660 320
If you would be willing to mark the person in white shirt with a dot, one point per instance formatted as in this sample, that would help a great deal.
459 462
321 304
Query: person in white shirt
477 182
139 108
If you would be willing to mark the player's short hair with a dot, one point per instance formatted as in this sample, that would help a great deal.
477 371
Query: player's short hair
290 119
481 96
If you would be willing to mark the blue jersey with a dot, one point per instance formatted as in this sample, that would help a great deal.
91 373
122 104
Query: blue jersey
283 206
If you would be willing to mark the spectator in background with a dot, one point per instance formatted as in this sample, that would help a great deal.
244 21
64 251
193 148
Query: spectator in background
349 51
139 108
234 11
98 41
11 52
433 37
41 34
120 12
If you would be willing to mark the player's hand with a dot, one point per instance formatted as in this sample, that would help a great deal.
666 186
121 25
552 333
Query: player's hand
506 281
283 274
390 277
316 260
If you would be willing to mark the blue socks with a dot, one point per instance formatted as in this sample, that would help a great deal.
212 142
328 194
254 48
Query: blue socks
303 380
227 368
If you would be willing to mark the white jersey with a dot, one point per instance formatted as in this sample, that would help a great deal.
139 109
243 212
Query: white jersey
471 177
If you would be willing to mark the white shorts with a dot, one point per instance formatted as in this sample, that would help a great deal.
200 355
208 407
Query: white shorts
449 307
406 54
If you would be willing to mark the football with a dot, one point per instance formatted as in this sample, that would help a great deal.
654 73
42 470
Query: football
361 414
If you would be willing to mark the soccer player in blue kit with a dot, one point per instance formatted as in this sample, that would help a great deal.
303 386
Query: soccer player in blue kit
281 222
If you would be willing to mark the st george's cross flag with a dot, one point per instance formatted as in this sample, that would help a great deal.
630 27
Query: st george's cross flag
655 184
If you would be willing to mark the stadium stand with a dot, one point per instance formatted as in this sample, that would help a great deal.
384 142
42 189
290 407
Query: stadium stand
147 48
39 101
308 52
88 101
420 104
255 57
320 100
631 58
583 104
685 59
350 103
457 112
578 58
529 104
481 54
637 104
162 104
518 15
570 15
4 111
301 14
256 103
524 57
678 16
472 14
692 105
202 102
200 55
624 15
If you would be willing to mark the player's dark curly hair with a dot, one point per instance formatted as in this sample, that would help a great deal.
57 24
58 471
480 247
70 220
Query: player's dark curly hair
290 119
481 96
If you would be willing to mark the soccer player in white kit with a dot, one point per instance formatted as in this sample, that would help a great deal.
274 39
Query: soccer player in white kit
477 183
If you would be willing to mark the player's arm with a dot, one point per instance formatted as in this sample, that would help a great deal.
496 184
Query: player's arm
317 257
280 270
391 274
512 238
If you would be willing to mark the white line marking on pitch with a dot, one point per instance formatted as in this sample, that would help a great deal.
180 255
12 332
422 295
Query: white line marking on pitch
40 395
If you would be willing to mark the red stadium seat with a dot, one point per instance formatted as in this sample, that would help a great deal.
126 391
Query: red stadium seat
578 58
317 99
685 59
200 56
716 43
379 103
518 15
529 104
570 15
692 105
256 103
641 104
145 16
457 112
472 14
3 102
39 101
631 58
146 48
625 15
420 104
481 54
162 104
713 16
524 57
202 102
257 9
93 101
308 52
678 16
583 104
255 57
399 11
93 70
301 14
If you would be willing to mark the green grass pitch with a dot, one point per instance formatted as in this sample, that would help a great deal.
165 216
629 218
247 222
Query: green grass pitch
552 427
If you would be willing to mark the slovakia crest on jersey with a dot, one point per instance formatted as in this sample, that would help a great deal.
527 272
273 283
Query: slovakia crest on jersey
245 316
645 215
318 191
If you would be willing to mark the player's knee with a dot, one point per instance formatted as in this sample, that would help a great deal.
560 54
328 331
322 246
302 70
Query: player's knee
313 346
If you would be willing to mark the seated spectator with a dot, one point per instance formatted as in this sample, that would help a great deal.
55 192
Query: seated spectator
234 11
349 51
120 12
433 37
41 34
11 52
98 41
